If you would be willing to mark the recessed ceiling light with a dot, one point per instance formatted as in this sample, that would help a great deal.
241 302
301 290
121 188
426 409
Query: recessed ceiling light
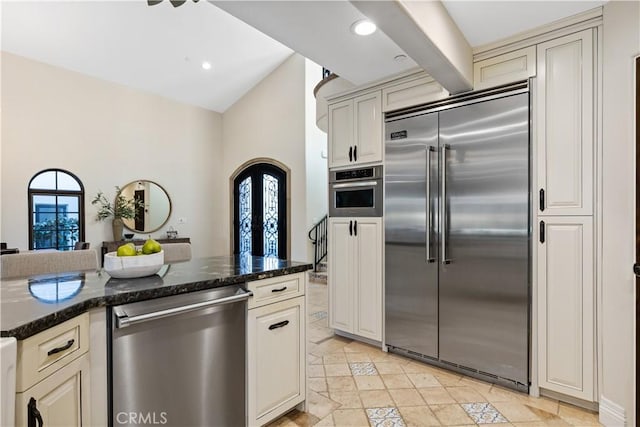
400 58
206 65
363 27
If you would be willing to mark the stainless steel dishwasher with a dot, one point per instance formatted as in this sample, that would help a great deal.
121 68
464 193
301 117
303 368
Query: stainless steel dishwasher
180 360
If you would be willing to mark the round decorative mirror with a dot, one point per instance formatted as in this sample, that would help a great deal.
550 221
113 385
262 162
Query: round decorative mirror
155 206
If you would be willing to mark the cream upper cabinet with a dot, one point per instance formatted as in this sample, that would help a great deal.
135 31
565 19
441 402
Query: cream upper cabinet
341 133
355 130
414 92
507 68
566 306
565 125
355 276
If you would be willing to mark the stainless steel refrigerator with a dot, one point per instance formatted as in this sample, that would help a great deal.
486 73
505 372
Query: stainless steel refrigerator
457 235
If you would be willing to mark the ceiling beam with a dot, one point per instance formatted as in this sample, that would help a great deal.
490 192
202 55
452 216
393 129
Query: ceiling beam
426 32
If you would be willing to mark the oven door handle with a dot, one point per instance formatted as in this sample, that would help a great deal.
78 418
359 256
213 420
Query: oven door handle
356 184
123 320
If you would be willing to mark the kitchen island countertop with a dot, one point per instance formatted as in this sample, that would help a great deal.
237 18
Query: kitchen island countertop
31 305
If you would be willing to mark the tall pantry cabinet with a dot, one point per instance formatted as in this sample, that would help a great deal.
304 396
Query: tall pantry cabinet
565 128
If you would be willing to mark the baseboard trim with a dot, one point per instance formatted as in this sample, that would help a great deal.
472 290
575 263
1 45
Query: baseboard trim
591 406
358 338
611 414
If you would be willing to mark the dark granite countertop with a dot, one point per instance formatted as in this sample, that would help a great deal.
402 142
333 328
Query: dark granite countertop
31 305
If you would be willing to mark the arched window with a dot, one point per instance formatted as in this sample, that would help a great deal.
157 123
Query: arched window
56 210
260 211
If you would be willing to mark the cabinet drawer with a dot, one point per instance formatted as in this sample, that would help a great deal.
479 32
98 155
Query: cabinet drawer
276 289
412 93
44 353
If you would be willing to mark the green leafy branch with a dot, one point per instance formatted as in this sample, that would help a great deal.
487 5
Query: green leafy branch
120 208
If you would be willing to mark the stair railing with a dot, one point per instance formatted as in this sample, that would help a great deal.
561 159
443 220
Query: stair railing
318 236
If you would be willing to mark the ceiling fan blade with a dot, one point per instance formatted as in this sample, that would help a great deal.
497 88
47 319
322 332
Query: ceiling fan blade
177 3
153 2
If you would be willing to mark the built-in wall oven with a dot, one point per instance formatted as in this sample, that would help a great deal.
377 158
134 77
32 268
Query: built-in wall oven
356 192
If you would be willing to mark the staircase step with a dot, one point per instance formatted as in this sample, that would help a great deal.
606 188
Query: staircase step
318 277
322 266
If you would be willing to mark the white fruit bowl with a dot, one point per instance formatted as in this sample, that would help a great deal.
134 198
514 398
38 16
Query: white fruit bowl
128 267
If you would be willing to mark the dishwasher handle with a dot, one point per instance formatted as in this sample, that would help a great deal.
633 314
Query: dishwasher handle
123 320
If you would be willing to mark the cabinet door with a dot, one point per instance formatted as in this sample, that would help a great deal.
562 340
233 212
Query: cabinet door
341 131
62 398
276 374
565 98
566 306
341 274
368 267
414 92
368 128
508 68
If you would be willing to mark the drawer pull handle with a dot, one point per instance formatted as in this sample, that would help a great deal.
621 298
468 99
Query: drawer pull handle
284 288
279 325
63 348
33 415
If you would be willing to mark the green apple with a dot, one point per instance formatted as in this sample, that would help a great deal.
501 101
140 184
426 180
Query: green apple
151 247
126 250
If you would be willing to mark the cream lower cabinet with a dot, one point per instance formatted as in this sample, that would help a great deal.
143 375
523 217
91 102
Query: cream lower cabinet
355 276
52 376
276 350
58 399
566 306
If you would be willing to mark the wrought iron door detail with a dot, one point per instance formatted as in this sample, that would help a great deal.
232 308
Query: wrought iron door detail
260 211
245 216
270 196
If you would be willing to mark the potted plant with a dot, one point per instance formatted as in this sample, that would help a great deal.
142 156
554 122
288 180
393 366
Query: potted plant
122 208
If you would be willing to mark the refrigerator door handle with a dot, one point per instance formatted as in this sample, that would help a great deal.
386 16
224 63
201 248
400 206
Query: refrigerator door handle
429 150
443 203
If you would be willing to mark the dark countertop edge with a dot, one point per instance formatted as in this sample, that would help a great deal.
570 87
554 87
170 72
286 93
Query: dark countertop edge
43 323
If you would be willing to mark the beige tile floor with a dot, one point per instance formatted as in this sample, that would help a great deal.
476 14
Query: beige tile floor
355 384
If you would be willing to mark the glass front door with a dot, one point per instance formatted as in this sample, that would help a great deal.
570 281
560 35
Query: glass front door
260 211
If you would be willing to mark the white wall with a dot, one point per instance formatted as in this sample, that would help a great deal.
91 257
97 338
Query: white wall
621 45
269 122
107 135
316 148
